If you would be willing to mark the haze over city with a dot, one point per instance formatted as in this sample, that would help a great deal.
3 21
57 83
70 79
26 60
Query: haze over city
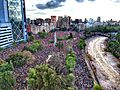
106 9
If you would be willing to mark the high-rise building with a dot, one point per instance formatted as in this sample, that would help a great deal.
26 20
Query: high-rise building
17 18
98 19
59 21
6 36
66 22
39 21
76 21
53 20
48 20
63 22
3 11
12 22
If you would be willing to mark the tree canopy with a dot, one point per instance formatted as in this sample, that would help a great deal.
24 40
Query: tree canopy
44 77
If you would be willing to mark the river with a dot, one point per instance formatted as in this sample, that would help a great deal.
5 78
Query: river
105 63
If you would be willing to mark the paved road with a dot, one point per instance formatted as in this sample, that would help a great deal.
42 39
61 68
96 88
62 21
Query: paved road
107 71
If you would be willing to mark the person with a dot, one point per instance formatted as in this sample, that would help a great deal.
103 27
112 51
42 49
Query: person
24 84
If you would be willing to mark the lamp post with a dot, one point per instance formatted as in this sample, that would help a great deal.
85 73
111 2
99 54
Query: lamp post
55 39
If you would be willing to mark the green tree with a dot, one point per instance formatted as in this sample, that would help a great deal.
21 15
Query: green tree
81 44
34 47
6 67
7 80
45 78
17 59
118 37
70 61
32 79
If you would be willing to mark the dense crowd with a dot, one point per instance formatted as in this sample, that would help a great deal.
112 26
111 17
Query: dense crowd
83 80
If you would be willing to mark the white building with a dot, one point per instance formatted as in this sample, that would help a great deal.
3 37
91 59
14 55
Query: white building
35 28
81 26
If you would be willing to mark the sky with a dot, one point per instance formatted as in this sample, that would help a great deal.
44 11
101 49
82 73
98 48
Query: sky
77 9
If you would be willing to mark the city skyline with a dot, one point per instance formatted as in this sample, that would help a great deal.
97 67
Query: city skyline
106 9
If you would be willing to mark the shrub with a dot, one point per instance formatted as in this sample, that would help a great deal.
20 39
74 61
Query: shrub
44 77
60 38
7 80
65 37
34 47
29 56
6 67
70 61
71 88
81 44
1 49
70 79
42 34
97 87
51 41
113 46
31 38
59 44
1 61
17 59
29 33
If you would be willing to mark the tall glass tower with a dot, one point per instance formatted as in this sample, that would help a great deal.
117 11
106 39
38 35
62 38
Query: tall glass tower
17 18
3 11
6 35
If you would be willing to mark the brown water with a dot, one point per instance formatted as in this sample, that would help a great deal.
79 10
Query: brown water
107 72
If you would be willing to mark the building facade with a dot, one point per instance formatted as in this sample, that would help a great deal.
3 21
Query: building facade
3 11
17 18
63 22
53 20
6 35
59 21
12 22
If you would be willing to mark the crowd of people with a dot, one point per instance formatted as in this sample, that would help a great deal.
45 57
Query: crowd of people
83 80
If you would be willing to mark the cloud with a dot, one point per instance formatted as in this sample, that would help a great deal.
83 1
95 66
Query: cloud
80 0
31 9
84 0
116 1
91 0
50 4
42 13
55 4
